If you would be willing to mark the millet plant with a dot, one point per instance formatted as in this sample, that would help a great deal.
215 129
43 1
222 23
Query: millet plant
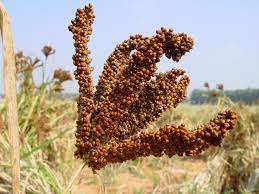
131 94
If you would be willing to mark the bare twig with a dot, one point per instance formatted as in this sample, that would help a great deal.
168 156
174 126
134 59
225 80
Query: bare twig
10 95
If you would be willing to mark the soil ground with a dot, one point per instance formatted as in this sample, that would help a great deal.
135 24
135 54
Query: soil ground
141 180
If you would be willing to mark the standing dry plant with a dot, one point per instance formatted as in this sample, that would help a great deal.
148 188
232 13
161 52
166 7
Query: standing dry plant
60 76
25 69
10 95
130 95
213 93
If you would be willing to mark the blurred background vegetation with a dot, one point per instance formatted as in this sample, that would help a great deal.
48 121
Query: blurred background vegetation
47 121
246 96
226 49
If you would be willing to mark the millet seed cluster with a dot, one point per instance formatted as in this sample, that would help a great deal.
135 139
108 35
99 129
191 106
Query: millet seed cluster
130 95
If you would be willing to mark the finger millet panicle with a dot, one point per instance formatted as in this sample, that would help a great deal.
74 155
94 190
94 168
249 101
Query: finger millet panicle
130 94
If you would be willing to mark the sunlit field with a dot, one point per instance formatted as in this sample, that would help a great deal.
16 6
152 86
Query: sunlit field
137 130
47 147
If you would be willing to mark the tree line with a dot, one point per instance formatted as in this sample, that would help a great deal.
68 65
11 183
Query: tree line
247 96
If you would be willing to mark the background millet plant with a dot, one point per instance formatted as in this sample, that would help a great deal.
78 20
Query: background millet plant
33 96
130 95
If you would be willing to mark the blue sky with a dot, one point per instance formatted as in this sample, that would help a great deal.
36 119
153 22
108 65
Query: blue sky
226 34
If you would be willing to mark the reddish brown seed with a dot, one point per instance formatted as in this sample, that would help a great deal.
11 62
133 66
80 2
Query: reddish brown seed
130 95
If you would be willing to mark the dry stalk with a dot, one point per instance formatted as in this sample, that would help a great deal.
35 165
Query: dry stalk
72 180
10 95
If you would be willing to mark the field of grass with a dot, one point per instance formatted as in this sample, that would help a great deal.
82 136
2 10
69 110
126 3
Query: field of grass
47 126
47 129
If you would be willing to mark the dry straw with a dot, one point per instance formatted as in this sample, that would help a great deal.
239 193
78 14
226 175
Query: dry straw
10 95
130 95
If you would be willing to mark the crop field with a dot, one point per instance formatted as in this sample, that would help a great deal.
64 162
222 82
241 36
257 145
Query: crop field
136 131
47 163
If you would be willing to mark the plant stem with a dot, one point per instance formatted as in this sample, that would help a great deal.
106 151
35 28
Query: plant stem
73 178
10 95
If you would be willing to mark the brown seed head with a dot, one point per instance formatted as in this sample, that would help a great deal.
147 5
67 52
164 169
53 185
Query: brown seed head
62 75
47 51
220 86
130 94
